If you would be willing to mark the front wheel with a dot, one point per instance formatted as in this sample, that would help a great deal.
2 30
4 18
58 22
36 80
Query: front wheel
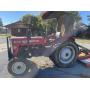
66 54
18 67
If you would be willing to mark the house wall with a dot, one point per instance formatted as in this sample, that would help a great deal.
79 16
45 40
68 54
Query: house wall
18 32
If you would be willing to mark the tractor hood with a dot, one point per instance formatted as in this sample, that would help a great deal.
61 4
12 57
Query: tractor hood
38 40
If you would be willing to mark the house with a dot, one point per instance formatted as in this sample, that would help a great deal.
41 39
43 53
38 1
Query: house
20 29
2 30
17 29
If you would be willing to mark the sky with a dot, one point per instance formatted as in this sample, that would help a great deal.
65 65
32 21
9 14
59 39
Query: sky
84 15
13 16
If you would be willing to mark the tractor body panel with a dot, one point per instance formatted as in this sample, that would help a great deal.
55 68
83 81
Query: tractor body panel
18 42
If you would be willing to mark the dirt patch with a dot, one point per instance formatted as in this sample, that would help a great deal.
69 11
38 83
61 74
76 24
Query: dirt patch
42 62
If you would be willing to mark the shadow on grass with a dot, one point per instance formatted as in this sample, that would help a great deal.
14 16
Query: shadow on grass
77 71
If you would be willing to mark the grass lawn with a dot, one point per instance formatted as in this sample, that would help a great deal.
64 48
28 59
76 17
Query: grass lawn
85 41
4 35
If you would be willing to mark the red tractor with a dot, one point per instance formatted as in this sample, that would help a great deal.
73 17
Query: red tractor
63 51
21 43
19 48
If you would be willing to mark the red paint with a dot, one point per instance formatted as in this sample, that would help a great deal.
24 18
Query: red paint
18 42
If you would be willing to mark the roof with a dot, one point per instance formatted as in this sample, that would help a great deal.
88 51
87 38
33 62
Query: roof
52 14
17 24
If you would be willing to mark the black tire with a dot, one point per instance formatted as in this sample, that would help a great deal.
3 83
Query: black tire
52 57
12 63
56 56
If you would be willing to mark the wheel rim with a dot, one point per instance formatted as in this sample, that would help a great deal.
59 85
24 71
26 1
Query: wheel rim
66 54
18 68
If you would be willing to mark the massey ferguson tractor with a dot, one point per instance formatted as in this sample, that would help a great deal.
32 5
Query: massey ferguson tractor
61 49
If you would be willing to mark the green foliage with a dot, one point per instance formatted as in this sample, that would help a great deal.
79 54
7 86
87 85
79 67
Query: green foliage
45 27
76 15
29 20
1 24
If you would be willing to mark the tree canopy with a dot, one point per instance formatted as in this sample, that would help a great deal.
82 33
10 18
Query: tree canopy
76 15
36 23
42 26
1 24
29 20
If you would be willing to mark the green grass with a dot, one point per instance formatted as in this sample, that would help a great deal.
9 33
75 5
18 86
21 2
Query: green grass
86 41
4 35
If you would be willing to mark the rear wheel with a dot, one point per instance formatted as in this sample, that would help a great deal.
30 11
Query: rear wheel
65 55
18 67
